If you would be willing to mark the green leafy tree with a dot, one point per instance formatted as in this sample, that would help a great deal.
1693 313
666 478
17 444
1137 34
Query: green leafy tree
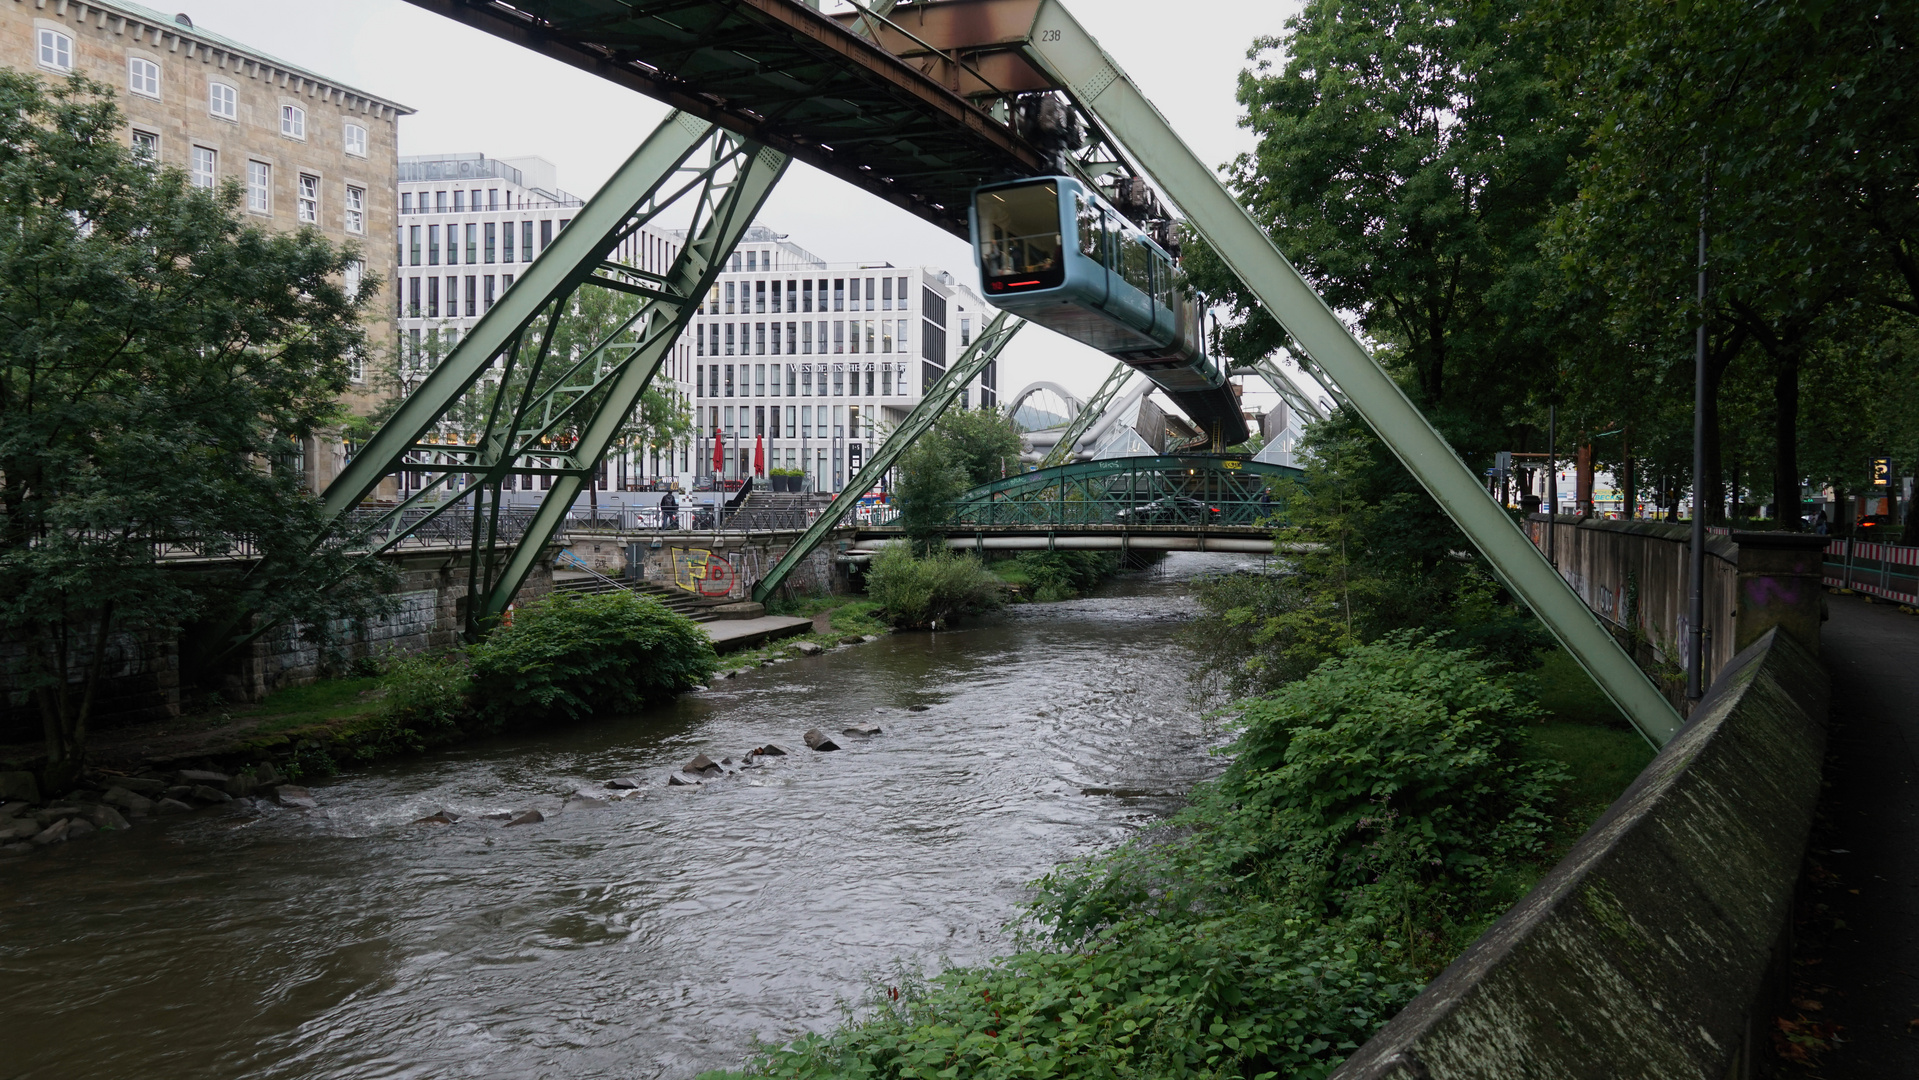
1409 153
1787 123
965 448
159 361
1365 558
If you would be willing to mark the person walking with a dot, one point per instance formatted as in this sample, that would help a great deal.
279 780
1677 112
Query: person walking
669 512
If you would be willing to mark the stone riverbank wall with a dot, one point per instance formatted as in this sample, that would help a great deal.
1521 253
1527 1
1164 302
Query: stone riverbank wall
144 669
1656 948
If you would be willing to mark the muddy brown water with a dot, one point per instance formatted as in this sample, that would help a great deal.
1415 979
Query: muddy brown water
658 937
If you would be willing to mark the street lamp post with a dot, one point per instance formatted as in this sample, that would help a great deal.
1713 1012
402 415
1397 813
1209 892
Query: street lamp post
1696 607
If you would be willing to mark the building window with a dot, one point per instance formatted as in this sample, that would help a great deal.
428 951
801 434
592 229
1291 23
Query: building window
492 241
293 122
355 209
355 273
356 140
146 145
459 202
729 339
309 199
223 101
204 167
526 241
433 298
356 366
546 233
433 245
413 238
488 294
56 50
143 76
472 242
413 298
506 242
472 296
406 203
259 187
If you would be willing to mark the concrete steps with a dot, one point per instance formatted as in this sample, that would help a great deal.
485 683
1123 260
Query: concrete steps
699 609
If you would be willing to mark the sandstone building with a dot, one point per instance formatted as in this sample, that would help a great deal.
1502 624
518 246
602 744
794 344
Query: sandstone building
309 150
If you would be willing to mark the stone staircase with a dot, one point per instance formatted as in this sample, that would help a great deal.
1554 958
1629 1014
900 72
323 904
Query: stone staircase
699 609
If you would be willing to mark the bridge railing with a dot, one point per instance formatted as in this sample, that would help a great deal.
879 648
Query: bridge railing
1172 491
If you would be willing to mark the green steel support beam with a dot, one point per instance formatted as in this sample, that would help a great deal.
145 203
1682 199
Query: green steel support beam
584 398
1056 43
984 350
1275 377
1083 421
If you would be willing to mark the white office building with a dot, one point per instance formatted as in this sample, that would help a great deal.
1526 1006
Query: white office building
801 364
469 225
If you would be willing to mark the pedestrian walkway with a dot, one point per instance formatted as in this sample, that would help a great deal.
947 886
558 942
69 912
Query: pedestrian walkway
1857 960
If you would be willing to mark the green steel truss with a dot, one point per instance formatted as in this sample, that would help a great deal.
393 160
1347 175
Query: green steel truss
1055 42
922 124
984 350
1088 414
1202 492
1275 377
512 398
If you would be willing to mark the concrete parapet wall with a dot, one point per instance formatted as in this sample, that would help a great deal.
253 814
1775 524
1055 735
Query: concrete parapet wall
1654 948
1633 574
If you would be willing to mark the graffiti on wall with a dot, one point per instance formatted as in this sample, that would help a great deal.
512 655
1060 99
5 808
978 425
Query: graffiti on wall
715 576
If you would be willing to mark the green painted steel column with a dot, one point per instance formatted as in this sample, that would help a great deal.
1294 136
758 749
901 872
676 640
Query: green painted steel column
1060 46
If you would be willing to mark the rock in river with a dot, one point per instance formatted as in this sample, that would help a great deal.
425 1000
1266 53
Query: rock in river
622 783
817 739
290 795
190 777
676 781
205 794
703 766
55 833
127 801
584 802
808 648
861 729
171 806
442 817
530 817
769 750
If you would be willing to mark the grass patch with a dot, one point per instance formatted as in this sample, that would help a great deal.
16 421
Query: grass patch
325 702
1586 732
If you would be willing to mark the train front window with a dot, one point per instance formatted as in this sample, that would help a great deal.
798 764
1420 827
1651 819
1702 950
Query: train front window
1020 237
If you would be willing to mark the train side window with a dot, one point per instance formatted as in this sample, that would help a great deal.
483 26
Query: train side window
1134 256
1019 230
1091 228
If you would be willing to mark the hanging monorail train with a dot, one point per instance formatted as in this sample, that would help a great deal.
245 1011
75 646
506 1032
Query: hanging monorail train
1053 251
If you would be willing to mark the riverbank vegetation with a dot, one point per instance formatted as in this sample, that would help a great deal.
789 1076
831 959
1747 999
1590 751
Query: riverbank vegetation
930 590
566 657
1049 576
1379 812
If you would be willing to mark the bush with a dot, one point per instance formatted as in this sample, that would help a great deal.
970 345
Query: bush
1063 575
424 702
939 587
570 656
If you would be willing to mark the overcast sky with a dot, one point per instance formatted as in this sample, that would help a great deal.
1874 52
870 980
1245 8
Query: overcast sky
475 93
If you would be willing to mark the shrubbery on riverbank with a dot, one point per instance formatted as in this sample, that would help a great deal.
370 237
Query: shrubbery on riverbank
936 588
571 656
566 657
1378 813
1059 575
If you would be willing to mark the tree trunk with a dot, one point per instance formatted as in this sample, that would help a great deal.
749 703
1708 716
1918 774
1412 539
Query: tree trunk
1785 430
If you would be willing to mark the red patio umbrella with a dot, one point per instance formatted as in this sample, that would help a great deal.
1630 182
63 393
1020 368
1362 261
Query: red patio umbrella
719 452
759 457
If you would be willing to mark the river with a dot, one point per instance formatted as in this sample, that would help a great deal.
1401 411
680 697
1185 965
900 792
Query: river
657 937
